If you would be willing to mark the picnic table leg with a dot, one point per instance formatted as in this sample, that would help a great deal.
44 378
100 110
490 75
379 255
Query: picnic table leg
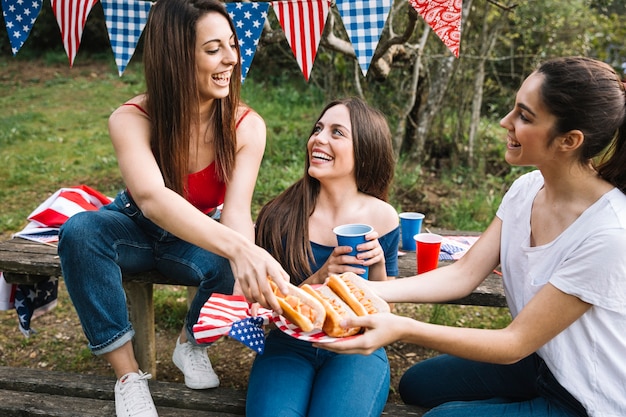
141 306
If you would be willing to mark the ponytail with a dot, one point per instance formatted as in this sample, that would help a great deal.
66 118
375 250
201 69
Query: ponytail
613 166
588 95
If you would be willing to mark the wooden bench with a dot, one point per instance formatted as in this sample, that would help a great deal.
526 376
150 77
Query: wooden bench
43 393
26 262
33 392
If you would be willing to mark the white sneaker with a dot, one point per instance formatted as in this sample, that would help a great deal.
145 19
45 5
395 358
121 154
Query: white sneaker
194 363
132 396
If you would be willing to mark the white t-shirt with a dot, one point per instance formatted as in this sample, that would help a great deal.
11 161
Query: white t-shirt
588 260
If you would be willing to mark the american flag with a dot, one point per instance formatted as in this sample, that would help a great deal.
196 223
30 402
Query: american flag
19 18
230 315
249 19
71 16
303 23
31 301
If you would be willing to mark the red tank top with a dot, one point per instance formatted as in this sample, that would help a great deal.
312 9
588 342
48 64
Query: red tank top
204 189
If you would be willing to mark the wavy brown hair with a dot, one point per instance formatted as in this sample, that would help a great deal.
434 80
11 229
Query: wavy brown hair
283 223
172 90
588 95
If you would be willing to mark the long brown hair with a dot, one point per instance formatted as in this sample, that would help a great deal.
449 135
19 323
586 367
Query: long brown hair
588 95
283 223
172 90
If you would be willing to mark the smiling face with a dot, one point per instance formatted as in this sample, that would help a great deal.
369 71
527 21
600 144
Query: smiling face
330 147
530 126
216 56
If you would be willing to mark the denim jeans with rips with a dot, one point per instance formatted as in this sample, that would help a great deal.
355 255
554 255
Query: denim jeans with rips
96 247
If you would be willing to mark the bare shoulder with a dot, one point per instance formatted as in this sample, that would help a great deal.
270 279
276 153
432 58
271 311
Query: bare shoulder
133 109
246 117
251 129
385 216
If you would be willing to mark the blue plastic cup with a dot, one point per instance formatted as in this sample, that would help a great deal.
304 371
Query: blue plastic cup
410 224
353 235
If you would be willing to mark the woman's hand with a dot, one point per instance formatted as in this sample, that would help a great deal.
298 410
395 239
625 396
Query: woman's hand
370 252
251 268
381 329
339 261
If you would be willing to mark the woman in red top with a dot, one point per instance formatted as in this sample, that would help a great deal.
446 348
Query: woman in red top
184 147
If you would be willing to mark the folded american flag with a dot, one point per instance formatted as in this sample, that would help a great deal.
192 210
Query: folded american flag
230 315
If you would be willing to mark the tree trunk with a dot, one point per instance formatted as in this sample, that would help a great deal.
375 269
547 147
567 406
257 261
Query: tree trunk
436 92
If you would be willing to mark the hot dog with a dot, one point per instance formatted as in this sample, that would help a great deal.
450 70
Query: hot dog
300 308
353 290
336 310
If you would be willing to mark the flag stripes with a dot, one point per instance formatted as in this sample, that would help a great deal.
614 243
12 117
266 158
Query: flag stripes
303 23
71 16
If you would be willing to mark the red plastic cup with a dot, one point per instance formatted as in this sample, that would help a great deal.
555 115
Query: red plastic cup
427 247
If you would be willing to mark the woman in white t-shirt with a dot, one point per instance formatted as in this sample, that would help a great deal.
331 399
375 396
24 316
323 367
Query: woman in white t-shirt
560 238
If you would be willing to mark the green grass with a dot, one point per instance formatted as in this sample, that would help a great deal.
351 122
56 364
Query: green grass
53 134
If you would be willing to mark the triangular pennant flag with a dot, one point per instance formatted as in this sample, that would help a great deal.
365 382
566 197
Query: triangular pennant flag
19 18
71 16
249 19
444 17
364 21
303 23
125 20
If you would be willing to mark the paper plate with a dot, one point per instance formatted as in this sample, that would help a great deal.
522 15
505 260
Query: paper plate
292 330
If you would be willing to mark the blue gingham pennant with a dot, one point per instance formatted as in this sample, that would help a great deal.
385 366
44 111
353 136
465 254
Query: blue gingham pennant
249 331
364 21
19 18
249 19
125 20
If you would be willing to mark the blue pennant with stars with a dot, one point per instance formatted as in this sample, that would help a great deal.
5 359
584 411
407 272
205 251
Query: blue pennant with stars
19 18
249 19
249 331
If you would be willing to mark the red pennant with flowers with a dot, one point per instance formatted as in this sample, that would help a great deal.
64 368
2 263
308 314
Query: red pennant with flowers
444 17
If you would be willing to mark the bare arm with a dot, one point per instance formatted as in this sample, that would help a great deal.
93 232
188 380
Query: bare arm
129 132
451 282
545 316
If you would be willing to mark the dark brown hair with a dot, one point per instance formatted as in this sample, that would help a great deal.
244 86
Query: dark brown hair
588 95
283 223
172 91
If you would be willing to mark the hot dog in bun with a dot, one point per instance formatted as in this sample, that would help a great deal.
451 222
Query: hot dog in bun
336 310
352 289
300 308
345 296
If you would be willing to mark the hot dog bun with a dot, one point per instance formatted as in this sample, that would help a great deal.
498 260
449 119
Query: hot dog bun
300 308
336 310
354 291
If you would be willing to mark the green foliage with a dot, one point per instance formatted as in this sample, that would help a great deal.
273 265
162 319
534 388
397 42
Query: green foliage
170 306
469 316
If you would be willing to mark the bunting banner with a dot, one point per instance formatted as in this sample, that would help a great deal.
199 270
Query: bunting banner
19 18
71 16
444 17
364 21
302 22
249 19
125 21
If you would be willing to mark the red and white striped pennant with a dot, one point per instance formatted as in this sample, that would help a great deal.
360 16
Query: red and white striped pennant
71 16
303 23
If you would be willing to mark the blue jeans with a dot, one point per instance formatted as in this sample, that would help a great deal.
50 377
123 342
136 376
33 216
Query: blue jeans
292 378
96 247
457 387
